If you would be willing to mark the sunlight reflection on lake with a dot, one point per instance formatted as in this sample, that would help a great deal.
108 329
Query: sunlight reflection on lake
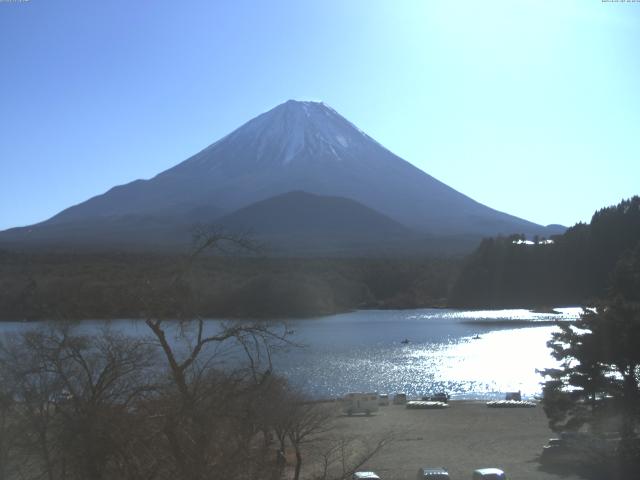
470 354
363 351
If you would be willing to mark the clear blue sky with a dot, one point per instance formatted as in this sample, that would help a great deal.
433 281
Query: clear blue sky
531 107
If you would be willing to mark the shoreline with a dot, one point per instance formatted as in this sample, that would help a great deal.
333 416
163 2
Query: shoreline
486 322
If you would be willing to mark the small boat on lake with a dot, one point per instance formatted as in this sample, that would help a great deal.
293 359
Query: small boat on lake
405 341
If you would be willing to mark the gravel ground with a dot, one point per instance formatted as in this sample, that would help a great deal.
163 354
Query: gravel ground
461 438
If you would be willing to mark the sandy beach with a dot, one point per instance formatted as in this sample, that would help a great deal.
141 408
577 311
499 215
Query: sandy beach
466 436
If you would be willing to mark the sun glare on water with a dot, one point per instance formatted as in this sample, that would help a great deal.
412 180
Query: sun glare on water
502 361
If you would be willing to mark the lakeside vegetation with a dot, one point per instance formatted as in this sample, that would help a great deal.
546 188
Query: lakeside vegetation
121 285
595 389
109 406
500 273
193 404
575 269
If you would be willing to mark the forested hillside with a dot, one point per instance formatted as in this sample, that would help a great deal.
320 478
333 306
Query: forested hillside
69 286
502 272
576 267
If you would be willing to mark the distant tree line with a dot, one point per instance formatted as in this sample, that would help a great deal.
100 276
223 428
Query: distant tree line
576 267
118 285
501 272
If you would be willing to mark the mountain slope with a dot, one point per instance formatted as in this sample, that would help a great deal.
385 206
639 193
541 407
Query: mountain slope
301 222
301 213
303 146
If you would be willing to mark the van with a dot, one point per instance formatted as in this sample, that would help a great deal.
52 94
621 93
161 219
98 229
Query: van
366 403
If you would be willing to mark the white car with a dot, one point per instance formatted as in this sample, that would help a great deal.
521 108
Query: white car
365 476
489 474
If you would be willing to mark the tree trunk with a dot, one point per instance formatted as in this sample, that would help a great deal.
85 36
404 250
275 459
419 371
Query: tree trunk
630 399
298 463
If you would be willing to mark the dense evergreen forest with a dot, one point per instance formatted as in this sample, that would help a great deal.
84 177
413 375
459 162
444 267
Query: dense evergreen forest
576 268
501 272
76 286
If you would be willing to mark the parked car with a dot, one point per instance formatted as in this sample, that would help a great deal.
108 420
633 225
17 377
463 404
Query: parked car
400 399
431 473
425 405
560 453
489 474
365 476
577 447
437 397
517 396
554 442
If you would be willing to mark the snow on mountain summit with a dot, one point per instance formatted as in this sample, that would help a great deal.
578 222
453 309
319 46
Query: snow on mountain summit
293 131
300 146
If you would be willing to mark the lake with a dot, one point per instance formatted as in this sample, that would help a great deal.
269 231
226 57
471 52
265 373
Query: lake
470 354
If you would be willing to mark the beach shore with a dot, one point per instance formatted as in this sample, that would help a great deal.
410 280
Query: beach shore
466 436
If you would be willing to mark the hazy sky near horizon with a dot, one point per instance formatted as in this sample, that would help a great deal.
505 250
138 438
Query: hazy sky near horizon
530 107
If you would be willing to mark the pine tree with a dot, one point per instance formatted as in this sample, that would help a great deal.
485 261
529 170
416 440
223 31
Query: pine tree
596 386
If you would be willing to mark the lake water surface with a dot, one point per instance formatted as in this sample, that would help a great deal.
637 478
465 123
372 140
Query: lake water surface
363 351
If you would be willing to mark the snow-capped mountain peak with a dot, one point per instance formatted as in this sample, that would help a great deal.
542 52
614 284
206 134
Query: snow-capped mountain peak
291 132
301 146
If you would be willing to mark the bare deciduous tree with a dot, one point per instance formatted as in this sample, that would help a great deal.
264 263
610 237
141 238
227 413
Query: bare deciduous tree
194 400
339 457
73 395
210 425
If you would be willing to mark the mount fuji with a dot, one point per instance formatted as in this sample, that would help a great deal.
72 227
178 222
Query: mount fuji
302 147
